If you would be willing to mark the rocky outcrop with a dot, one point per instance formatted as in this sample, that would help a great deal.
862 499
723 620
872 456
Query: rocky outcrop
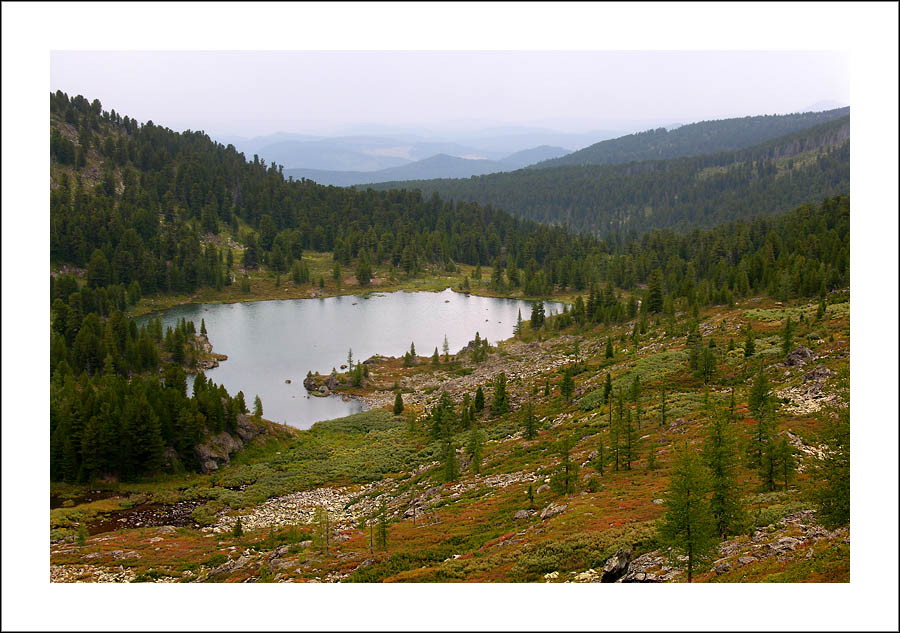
799 357
216 451
317 385
616 566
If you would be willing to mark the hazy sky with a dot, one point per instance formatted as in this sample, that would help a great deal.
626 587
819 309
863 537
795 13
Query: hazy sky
255 93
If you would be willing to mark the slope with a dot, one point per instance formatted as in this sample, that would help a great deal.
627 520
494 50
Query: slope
695 139
680 193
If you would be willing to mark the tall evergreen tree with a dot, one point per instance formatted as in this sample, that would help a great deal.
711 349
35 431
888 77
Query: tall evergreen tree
832 492
529 422
688 525
720 456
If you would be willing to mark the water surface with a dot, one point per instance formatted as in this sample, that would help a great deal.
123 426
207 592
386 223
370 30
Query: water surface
269 342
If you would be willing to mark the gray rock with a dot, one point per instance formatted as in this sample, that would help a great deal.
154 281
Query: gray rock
522 514
746 560
787 543
819 373
542 489
616 566
724 568
799 357
552 510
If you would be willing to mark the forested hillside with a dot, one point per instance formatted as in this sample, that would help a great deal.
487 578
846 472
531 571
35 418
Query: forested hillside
681 193
695 139
138 210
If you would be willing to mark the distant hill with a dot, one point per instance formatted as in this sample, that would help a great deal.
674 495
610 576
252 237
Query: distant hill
680 193
695 139
534 155
438 166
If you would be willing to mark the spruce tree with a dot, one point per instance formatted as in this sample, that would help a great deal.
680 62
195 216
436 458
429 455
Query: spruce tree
446 350
435 359
609 347
479 399
688 525
398 404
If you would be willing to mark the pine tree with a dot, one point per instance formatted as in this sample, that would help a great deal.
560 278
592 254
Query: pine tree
832 494
479 399
566 477
688 525
629 440
412 350
567 385
609 347
518 328
529 422
720 456
787 337
651 456
662 408
257 407
203 327
435 359
537 315
759 403
500 403
785 462
382 525
350 359
238 530
475 449
398 404
449 466
446 350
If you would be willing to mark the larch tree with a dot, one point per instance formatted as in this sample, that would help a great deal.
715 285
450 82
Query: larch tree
688 526
721 458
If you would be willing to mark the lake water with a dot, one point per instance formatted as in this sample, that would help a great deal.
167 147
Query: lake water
268 342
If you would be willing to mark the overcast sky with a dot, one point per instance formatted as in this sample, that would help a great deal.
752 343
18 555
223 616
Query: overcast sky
330 92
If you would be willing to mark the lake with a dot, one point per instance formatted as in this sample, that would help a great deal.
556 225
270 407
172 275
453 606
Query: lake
268 342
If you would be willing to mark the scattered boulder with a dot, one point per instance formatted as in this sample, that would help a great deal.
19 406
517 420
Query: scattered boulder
724 568
616 566
552 510
542 489
819 373
798 357
523 514
746 560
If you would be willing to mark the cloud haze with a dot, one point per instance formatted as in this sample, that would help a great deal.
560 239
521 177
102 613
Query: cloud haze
253 93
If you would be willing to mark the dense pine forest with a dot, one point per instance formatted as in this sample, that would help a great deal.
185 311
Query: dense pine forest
138 210
682 193
694 139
